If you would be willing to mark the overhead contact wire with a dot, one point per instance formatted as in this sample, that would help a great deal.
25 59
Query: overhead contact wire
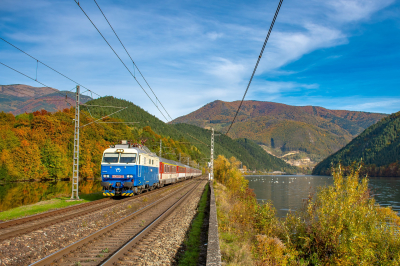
131 59
258 61
120 59
38 61
36 81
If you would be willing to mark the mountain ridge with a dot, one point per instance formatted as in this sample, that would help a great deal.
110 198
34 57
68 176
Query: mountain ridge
315 131
19 98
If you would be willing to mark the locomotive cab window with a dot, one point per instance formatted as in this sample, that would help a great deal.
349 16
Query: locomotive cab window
128 158
110 158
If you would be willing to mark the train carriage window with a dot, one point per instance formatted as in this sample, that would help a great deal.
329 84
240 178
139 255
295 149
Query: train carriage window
144 160
110 158
128 158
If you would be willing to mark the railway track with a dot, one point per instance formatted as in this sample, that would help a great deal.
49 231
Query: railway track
28 224
108 245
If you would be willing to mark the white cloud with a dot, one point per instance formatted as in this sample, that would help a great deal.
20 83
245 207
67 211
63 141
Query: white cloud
352 103
227 71
275 89
286 47
374 104
354 10
214 35
200 57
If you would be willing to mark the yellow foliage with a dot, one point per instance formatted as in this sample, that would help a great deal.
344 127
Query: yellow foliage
341 225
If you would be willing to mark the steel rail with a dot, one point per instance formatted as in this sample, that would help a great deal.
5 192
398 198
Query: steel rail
113 260
48 260
95 208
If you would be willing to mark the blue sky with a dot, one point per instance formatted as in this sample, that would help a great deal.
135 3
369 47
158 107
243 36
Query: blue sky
338 54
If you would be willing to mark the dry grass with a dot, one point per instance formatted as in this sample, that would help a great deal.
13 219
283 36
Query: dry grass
235 246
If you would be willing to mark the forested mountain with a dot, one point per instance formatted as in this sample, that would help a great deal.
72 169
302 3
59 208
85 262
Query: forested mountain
252 156
315 131
19 99
378 148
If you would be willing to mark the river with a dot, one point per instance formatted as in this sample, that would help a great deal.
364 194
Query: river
288 192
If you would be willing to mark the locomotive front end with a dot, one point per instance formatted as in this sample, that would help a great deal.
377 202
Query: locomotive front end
118 171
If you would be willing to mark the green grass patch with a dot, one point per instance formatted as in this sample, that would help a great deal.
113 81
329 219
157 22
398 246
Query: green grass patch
47 205
191 255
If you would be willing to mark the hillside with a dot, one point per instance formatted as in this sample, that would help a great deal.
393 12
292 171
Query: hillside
245 150
378 147
19 99
39 145
251 155
314 132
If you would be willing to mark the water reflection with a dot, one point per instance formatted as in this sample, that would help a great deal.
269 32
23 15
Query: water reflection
288 192
18 194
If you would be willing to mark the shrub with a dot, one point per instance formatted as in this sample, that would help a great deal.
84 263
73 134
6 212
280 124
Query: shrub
340 225
344 225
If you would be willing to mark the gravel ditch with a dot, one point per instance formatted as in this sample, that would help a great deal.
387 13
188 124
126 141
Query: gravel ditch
28 248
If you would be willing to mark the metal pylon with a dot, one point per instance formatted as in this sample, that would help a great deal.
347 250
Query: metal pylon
75 167
212 155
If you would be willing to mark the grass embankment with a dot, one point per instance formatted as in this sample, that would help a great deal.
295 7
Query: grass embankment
193 241
340 225
47 205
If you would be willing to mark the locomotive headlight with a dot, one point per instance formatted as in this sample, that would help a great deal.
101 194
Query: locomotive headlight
106 175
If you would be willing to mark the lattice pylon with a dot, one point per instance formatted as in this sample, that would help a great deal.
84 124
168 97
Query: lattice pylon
75 167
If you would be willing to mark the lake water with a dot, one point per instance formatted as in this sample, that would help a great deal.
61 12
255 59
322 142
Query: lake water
23 193
287 192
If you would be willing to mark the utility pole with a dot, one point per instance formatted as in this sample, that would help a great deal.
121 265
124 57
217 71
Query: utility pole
75 166
189 161
179 157
212 155
160 146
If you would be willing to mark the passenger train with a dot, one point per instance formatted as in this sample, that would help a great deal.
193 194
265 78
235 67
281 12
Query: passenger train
128 169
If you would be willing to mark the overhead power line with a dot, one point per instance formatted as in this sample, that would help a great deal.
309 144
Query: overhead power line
131 58
120 59
35 80
258 61
37 60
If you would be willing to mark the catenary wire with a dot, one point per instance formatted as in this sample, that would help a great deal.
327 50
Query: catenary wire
35 80
131 58
37 60
133 63
120 59
258 61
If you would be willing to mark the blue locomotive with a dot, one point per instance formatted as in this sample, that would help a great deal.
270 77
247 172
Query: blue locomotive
128 169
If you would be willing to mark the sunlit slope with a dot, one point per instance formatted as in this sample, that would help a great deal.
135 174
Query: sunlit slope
315 130
378 147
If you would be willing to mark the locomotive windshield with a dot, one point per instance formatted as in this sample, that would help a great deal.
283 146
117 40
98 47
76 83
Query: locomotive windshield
119 158
127 158
110 158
